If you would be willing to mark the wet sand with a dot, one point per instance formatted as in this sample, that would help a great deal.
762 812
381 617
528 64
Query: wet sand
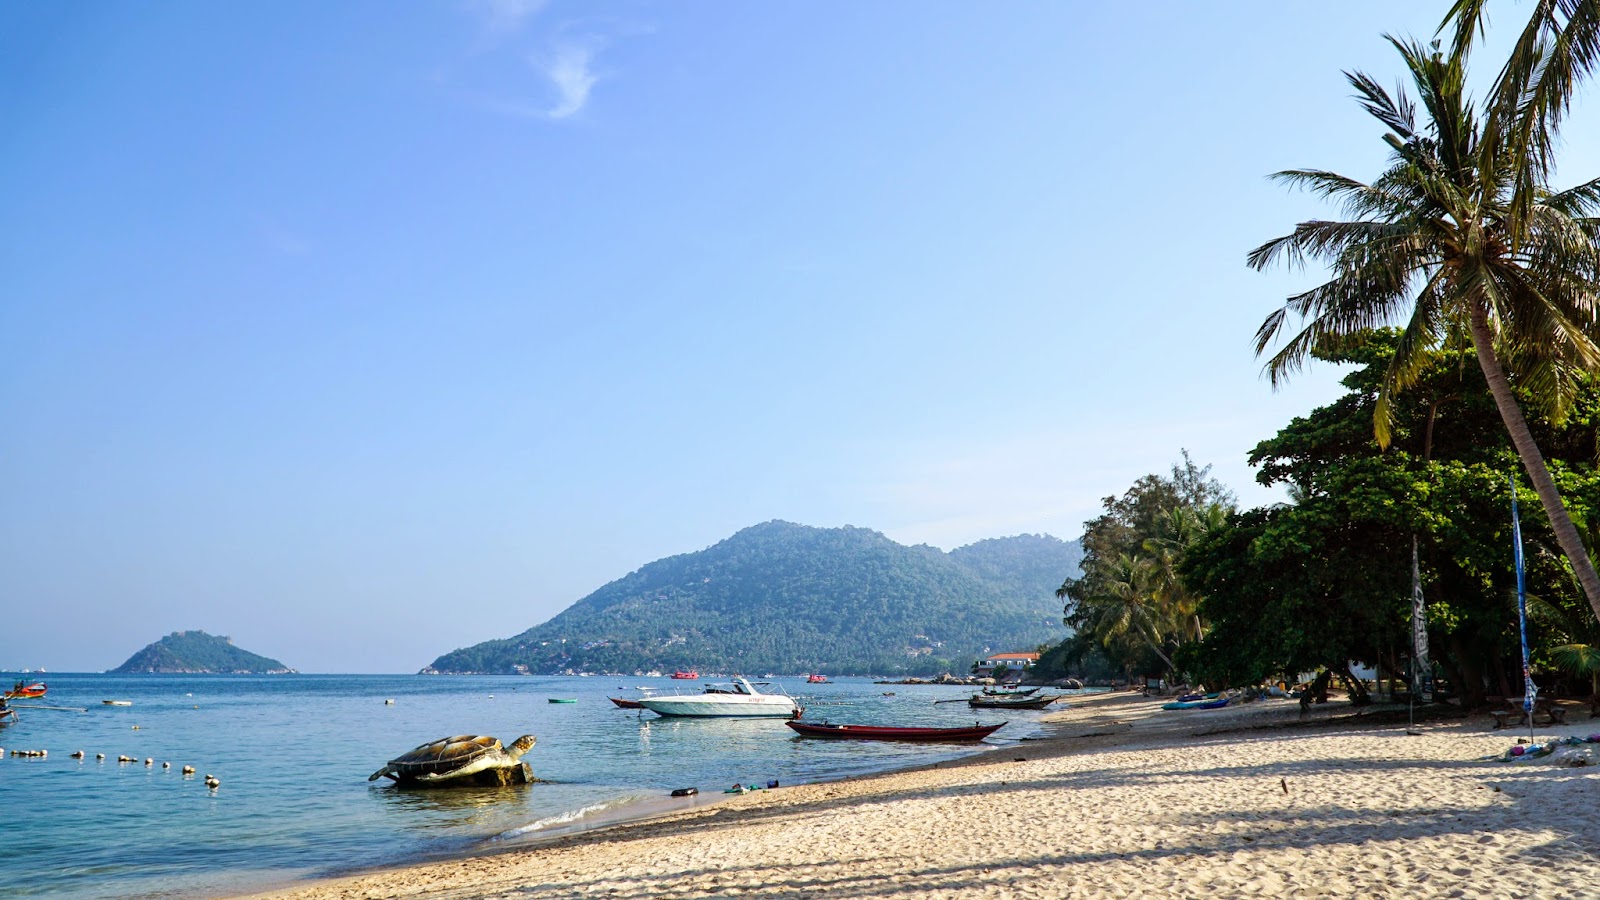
1122 800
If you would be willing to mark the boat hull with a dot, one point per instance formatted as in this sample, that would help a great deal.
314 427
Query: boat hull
722 706
893 733
625 703
1037 703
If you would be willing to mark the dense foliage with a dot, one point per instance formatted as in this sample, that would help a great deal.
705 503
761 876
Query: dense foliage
1129 607
1326 580
191 652
779 597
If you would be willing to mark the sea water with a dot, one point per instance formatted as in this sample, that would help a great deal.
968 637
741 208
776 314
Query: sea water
293 753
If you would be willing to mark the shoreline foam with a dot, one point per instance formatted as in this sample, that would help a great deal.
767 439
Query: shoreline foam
1122 800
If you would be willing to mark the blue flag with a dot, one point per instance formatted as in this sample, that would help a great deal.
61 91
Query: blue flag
1528 688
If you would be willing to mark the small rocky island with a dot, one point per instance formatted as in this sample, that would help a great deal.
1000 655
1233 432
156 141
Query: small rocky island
198 653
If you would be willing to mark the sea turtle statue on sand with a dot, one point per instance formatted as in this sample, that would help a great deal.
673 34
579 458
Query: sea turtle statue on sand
461 760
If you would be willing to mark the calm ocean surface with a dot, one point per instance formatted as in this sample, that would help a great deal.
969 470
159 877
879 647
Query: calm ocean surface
294 752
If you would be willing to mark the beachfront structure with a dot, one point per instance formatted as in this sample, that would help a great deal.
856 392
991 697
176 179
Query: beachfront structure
1015 662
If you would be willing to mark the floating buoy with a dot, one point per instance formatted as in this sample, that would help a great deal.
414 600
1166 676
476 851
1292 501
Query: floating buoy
148 761
166 765
99 756
188 770
388 703
135 728
77 754
213 782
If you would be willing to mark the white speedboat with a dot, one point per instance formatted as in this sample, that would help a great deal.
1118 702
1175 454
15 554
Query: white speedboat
738 699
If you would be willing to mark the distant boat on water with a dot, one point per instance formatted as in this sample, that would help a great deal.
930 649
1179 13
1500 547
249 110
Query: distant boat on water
689 675
816 679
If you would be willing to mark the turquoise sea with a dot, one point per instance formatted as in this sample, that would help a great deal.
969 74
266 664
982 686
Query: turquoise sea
294 752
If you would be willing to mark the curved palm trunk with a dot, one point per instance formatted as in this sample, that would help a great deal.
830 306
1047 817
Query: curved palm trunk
1532 459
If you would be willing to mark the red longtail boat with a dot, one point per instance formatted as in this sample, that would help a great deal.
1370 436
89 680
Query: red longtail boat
26 691
973 732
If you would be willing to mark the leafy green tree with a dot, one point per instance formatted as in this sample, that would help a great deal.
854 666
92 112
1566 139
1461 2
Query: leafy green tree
1325 580
1462 240
1128 597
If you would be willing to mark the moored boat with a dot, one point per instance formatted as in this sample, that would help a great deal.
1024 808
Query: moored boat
738 699
563 699
689 675
1218 703
816 679
974 732
1018 703
625 703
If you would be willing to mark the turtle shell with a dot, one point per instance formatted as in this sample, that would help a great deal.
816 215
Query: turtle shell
445 754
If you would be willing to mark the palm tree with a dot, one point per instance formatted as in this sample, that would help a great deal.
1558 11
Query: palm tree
1129 610
1182 527
1437 241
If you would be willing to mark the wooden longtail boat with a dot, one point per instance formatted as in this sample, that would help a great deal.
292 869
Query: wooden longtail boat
26 691
1021 703
973 732
626 704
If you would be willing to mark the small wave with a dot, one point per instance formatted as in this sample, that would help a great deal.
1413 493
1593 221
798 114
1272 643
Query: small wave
566 818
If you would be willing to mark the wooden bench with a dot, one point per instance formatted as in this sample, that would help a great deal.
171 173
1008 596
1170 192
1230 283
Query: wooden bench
1557 715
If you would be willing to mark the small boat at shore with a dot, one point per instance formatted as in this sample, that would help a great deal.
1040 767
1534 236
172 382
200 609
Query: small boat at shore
1006 693
1018 703
974 732
1218 703
563 699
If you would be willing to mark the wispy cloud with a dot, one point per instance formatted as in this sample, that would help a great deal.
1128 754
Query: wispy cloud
502 17
568 69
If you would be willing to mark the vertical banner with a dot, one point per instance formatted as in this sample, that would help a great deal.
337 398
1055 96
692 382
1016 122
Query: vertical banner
1528 688
1421 667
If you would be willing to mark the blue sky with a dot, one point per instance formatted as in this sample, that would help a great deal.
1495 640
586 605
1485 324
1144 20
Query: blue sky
361 332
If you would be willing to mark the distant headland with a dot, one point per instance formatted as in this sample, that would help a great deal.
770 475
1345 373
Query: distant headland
198 653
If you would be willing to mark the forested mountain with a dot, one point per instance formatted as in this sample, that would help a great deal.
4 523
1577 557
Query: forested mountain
787 598
195 652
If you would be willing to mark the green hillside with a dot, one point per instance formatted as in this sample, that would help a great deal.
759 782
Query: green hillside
780 597
195 652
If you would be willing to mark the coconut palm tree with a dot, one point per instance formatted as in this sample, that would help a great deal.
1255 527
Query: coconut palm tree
1129 610
1436 242
1557 48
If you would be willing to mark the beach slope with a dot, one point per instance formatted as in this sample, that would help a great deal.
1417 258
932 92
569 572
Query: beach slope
1123 801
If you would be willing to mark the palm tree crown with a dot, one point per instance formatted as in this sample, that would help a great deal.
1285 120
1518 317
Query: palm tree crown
1439 242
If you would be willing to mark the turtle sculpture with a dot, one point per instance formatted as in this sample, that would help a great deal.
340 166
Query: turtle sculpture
461 760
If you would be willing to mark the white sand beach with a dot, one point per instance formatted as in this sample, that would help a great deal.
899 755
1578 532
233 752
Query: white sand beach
1125 800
